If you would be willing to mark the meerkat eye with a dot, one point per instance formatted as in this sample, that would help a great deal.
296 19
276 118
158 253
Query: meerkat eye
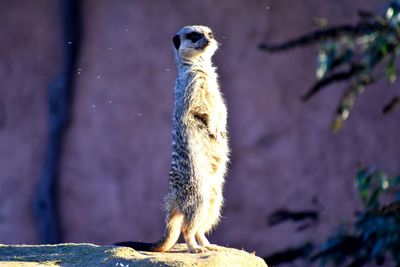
194 36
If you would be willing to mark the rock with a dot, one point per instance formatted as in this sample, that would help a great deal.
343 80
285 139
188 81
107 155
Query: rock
92 255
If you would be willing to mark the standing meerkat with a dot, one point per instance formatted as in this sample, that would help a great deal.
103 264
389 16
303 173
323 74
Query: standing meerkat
199 146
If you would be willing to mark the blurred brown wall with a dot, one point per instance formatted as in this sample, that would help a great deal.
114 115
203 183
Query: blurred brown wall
117 150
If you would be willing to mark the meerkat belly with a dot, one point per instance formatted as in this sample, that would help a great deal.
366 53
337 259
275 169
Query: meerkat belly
208 153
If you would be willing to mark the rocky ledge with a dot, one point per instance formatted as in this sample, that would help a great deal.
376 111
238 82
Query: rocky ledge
92 255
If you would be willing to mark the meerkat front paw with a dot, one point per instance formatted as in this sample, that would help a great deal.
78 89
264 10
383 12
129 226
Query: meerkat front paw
213 131
197 249
212 247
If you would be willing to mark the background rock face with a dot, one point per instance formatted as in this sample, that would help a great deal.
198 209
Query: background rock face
29 59
117 150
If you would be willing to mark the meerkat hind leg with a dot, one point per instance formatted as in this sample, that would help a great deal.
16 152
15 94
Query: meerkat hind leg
213 216
191 226
174 222
202 239
189 236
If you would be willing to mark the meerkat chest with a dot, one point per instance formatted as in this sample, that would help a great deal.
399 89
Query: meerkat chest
205 90
197 95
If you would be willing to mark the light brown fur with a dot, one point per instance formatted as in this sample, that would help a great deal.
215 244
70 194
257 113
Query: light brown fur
199 146
200 139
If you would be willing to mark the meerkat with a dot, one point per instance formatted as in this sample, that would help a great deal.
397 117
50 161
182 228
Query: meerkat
200 151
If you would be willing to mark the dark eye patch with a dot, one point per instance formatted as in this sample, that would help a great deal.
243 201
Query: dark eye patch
211 35
194 36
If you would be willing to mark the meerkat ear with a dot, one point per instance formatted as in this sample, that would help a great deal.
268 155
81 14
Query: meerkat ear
177 41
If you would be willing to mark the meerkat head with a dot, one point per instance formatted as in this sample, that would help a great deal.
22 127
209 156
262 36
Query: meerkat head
194 43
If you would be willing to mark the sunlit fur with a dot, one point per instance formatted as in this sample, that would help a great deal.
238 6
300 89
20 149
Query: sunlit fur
200 145
190 52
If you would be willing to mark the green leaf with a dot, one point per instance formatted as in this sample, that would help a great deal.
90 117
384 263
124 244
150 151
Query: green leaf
325 59
391 68
378 248
393 14
373 201
382 179
394 181
364 178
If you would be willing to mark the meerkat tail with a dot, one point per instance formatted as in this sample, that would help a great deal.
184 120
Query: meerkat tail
172 232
